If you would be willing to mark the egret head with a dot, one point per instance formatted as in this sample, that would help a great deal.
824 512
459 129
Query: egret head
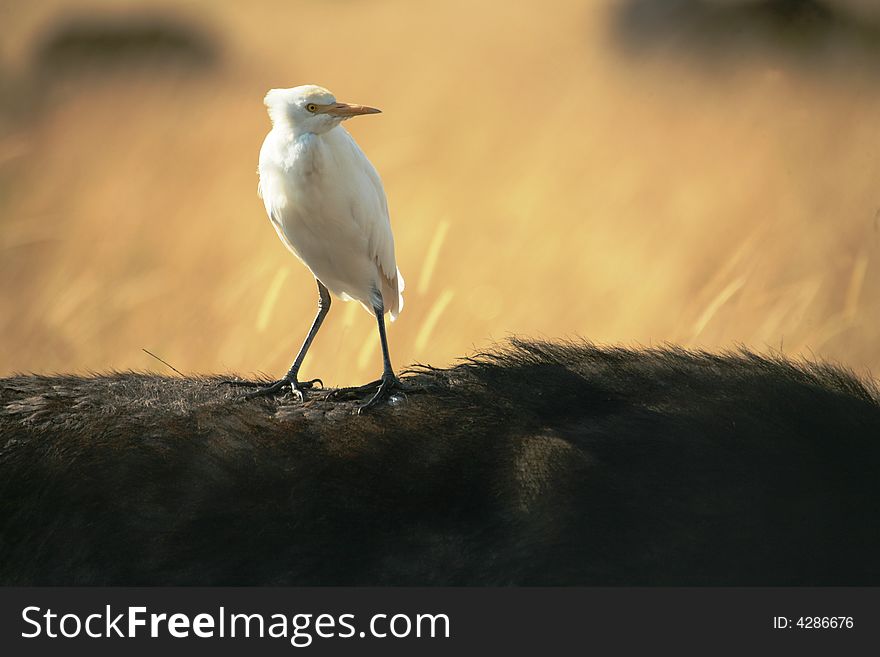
310 108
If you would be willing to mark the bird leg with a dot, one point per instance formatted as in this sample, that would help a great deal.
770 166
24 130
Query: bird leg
382 388
291 380
389 381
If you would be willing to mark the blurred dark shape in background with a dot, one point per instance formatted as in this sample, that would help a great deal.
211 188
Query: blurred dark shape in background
813 32
91 43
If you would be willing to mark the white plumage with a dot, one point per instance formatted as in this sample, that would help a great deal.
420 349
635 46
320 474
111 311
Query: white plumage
326 200
327 204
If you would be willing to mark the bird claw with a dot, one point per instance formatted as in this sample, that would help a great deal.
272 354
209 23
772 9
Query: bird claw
377 390
297 388
387 384
355 392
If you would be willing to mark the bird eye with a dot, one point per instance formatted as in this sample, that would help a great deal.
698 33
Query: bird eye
312 107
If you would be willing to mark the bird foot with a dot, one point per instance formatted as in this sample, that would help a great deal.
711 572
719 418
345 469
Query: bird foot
354 393
297 388
379 391
387 384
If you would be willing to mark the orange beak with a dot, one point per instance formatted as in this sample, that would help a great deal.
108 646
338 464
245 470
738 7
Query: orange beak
347 110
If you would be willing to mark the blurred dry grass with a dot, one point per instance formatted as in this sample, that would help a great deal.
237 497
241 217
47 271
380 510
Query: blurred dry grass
543 179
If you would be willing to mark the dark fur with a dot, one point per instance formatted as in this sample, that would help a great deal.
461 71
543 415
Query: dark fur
540 464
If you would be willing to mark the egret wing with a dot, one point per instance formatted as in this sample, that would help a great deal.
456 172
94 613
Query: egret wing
370 211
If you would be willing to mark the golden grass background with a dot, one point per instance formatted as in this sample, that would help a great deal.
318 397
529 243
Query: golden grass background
544 179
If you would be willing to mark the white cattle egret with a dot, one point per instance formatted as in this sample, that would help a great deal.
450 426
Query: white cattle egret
326 201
